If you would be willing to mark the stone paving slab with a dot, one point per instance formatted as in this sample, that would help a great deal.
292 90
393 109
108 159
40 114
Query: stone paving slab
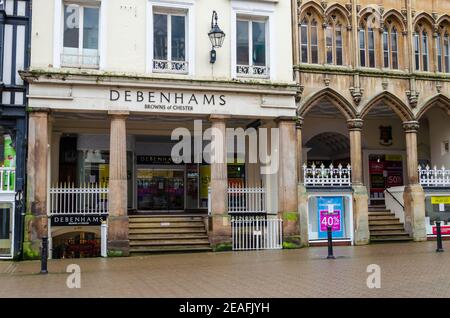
407 270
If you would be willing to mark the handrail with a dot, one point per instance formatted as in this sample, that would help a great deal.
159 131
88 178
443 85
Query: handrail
389 192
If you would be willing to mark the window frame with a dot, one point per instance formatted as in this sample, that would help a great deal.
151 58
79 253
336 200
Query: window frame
363 29
389 33
250 20
184 7
80 48
421 49
309 24
169 58
334 26
443 52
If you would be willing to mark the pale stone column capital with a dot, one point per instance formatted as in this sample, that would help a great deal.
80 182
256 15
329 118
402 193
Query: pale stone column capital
411 126
355 124
215 118
118 114
39 112
285 119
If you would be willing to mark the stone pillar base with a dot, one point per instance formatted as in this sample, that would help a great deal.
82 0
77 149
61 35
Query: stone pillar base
303 214
291 229
361 215
414 199
220 232
118 242
36 227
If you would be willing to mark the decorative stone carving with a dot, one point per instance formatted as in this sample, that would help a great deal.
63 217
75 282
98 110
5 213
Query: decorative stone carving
299 94
358 8
355 124
411 126
348 6
357 93
384 84
413 98
438 87
324 4
326 80
299 122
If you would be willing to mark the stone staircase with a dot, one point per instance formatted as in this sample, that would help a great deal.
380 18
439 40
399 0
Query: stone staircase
384 227
167 233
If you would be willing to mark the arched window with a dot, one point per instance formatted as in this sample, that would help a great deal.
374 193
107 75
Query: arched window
309 41
390 47
443 50
366 46
421 49
334 42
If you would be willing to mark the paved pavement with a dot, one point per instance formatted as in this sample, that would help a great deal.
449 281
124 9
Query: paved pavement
407 270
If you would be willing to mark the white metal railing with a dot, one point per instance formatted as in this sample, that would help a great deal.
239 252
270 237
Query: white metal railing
434 177
164 66
252 71
89 199
80 60
7 179
252 233
246 200
327 177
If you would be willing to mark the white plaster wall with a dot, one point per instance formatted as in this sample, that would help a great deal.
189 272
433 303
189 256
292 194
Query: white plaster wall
126 32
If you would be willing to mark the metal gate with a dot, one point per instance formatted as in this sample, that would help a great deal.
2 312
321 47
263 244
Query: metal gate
253 233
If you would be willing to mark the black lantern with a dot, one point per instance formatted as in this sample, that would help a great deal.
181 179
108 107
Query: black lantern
216 36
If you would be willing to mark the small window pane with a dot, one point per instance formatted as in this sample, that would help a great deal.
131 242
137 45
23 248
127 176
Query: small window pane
329 42
304 42
416 51
339 57
314 44
90 28
259 43
160 37
71 25
362 48
447 53
425 51
439 52
178 38
242 45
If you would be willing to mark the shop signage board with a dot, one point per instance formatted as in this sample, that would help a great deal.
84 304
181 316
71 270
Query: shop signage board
441 201
330 213
166 101
445 230
78 220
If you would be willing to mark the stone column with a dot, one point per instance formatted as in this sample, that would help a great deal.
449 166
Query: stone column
414 196
302 194
219 222
36 220
287 182
118 242
360 196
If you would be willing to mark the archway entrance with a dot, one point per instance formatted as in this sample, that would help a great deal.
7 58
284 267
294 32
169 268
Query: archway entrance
328 148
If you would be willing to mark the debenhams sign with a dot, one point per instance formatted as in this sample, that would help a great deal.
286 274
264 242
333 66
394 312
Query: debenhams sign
166 101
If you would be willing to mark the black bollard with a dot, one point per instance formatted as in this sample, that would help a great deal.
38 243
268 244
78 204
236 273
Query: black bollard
439 237
44 255
330 243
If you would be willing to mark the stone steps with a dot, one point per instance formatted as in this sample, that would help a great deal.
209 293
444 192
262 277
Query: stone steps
385 227
167 233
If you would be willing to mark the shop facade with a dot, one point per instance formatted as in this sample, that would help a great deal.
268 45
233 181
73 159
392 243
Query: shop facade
108 118
373 115
14 41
